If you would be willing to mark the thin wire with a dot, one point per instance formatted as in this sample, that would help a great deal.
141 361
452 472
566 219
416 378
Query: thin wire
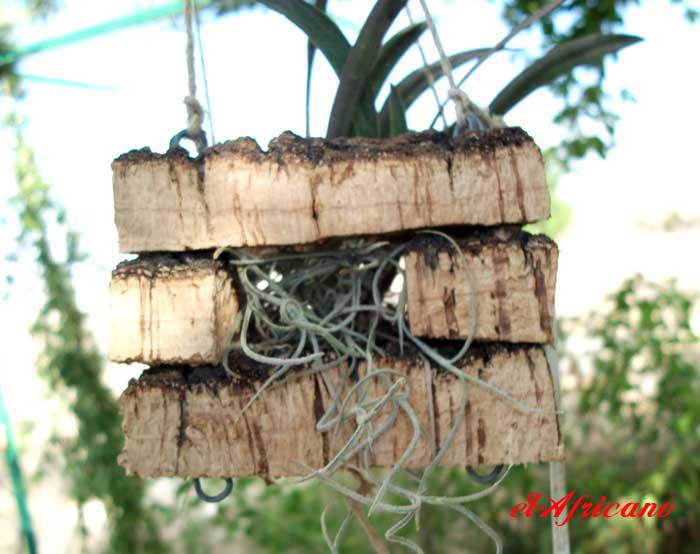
202 62
428 74
561 542
536 16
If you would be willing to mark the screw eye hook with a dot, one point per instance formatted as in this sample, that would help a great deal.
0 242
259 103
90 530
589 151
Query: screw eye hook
184 134
216 498
486 479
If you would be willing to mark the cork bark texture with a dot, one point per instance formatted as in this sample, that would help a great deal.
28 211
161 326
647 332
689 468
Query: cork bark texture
169 311
305 190
515 284
188 424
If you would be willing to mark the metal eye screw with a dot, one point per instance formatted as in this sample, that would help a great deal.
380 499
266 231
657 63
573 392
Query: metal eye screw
175 141
486 479
216 498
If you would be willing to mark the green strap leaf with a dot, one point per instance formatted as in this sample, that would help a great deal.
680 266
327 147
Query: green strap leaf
360 62
325 35
389 55
392 51
413 85
318 27
558 61
397 114
310 51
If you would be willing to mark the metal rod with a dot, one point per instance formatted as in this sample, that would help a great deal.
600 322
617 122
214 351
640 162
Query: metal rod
12 460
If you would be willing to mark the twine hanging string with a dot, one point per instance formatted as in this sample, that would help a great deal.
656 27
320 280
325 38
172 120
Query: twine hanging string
469 115
544 11
428 75
195 112
203 65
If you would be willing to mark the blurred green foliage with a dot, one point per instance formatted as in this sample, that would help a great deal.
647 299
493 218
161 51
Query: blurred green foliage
640 412
72 366
37 9
585 98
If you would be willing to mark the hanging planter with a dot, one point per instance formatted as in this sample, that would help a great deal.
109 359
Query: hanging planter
307 199
360 304
305 190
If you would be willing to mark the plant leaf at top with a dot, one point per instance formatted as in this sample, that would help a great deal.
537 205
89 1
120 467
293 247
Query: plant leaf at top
310 51
392 51
558 61
357 68
318 27
413 85
329 39
397 114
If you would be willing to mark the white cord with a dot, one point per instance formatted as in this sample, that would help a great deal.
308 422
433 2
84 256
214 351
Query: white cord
203 64
195 113
469 115
446 66
428 74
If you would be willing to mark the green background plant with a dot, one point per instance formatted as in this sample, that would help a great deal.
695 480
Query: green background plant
72 366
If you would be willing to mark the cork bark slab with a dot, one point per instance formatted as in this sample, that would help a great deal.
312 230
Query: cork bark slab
189 425
168 311
164 311
306 190
515 283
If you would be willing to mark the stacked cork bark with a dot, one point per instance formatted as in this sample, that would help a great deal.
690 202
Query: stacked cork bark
171 308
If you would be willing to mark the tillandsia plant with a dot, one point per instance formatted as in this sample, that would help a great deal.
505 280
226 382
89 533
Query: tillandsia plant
326 313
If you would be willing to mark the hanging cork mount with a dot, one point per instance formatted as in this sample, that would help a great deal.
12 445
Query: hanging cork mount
183 304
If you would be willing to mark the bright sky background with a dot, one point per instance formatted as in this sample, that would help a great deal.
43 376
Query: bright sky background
256 65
